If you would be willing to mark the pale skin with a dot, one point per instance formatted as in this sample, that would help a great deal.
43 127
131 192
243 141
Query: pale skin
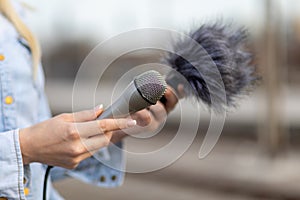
67 139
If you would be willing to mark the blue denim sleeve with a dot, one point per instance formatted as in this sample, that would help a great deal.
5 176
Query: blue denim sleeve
104 169
11 166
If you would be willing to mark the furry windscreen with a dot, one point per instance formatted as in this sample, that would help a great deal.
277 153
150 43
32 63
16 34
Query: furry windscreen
221 63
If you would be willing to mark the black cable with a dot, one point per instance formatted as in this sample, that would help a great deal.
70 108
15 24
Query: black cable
45 182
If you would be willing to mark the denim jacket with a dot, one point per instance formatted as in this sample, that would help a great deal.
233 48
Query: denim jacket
22 104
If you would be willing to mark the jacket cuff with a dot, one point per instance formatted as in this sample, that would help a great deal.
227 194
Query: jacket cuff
11 166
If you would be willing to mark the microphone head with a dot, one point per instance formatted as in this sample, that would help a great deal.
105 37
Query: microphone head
224 47
151 86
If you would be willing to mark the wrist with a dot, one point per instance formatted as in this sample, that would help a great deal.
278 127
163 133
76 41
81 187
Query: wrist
25 146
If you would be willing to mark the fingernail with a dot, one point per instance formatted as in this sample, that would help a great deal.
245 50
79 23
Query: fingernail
131 123
100 107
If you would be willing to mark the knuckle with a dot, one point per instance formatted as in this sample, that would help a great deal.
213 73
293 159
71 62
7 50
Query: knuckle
72 133
76 150
102 125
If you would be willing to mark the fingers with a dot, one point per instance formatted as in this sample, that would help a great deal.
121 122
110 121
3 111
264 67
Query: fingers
148 119
171 99
87 115
98 141
143 117
158 111
92 128
180 90
82 116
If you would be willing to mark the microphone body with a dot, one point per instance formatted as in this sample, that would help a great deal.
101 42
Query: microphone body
145 90
130 101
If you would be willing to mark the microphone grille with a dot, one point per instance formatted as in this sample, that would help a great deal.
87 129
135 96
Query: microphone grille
151 85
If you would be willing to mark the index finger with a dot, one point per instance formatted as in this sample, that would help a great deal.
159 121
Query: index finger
92 128
172 99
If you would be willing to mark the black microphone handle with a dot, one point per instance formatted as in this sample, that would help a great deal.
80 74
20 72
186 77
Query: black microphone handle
129 102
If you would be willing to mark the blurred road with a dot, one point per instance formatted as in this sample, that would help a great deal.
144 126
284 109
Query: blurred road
235 169
139 189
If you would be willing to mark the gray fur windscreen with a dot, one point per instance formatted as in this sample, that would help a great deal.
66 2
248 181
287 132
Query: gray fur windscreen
223 46
151 85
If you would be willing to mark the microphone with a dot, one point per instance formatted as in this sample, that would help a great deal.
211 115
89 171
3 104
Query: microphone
224 47
145 90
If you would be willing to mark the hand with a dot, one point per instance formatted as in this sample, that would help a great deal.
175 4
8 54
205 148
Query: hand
67 139
171 98
151 118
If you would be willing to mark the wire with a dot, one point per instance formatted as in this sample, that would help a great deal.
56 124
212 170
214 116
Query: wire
45 182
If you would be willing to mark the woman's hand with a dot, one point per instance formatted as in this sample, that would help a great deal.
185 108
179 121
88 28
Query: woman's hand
67 139
151 118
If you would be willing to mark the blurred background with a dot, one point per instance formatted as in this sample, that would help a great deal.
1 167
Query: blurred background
258 154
